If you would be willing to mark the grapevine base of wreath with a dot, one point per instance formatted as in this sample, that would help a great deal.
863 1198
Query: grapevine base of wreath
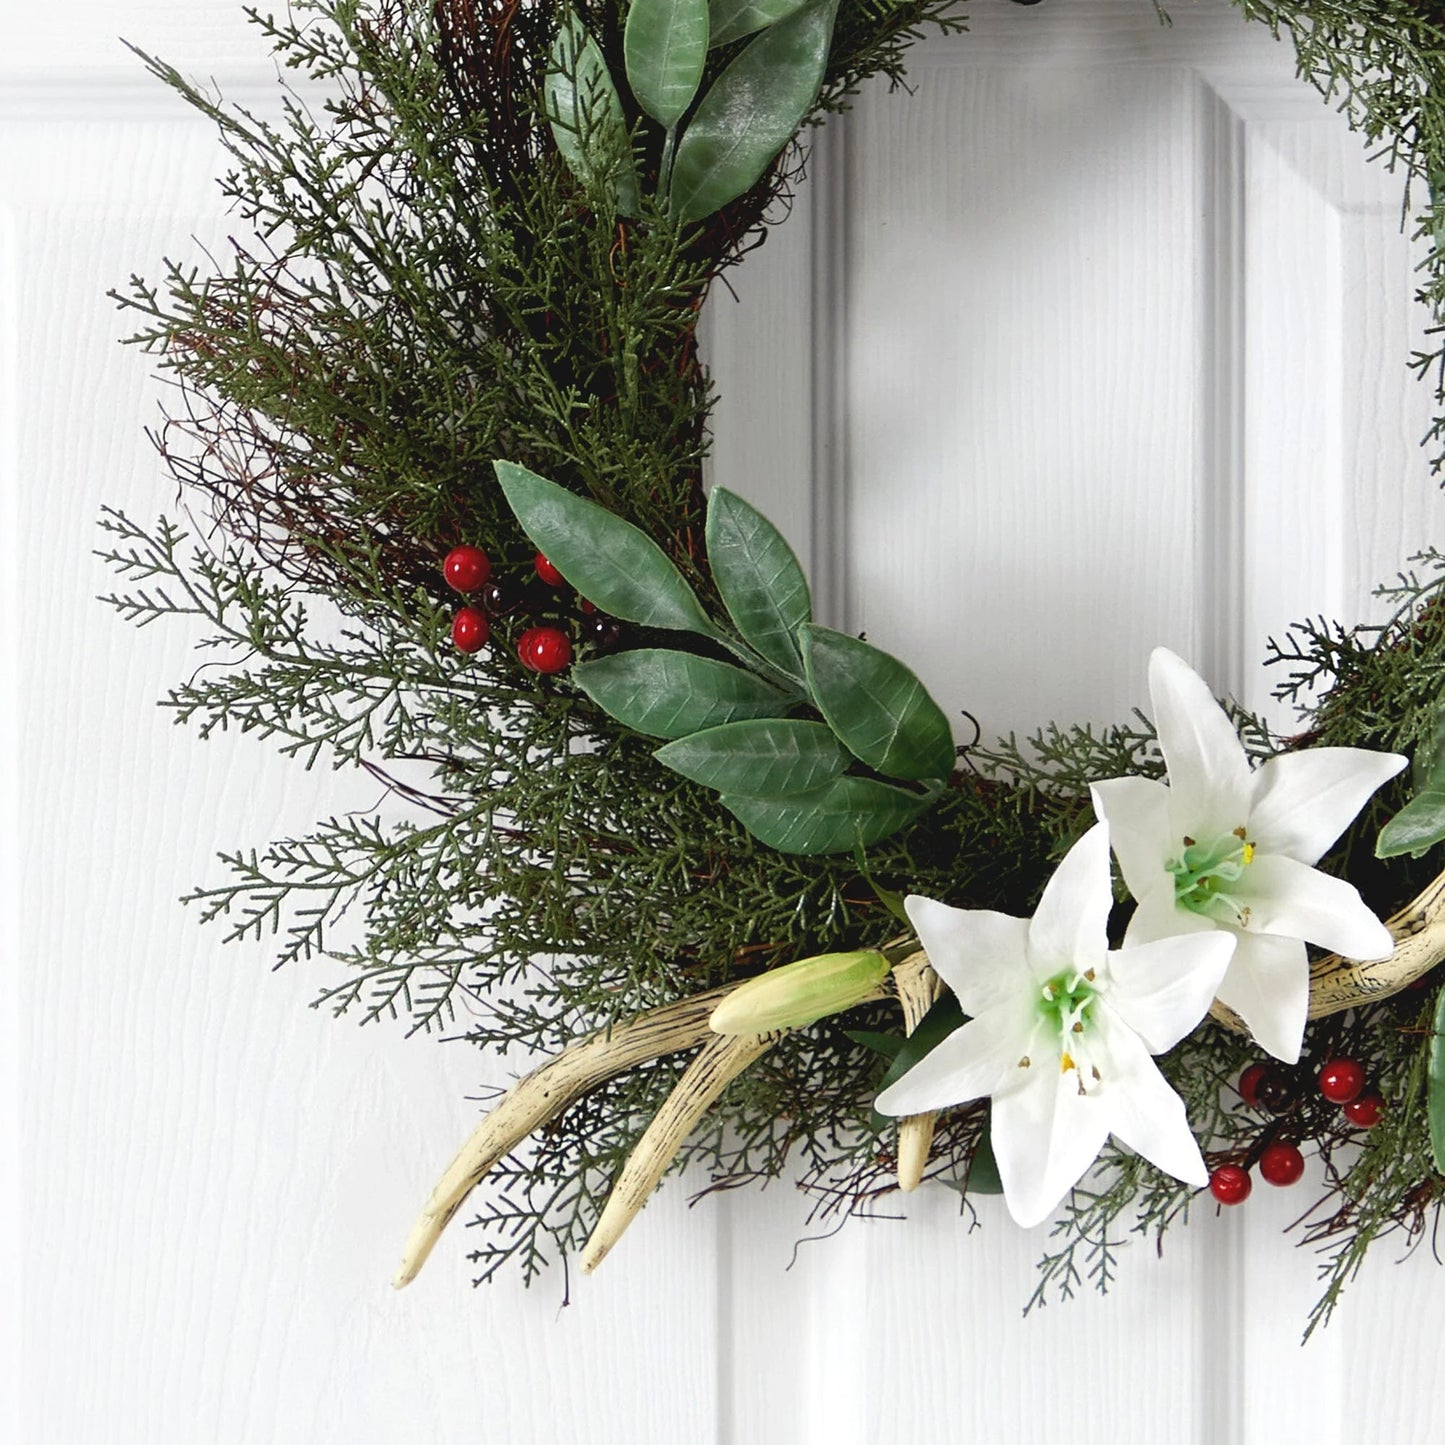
445 421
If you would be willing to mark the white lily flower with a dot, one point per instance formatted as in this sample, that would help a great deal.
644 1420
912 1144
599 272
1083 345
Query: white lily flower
1061 1031
1223 847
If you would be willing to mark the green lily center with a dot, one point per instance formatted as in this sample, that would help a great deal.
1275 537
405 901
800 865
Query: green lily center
1066 1002
1207 876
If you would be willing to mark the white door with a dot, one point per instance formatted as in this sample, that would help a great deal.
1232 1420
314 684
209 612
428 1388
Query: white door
1095 341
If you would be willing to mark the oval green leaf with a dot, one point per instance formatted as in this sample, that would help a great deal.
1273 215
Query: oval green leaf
586 116
835 818
880 711
732 19
1420 824
759 579
667 694
665 48
610 562
1436 1097
751 112
767 757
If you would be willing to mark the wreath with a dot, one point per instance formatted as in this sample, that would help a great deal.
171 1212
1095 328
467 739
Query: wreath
441 430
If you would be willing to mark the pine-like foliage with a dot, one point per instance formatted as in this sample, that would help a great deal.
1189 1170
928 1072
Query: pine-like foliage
422 288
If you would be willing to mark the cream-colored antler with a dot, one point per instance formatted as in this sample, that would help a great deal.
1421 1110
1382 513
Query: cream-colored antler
543 1094
918 988
1338 983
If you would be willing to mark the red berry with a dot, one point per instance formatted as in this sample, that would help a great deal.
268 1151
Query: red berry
1364 1112
544 649
466 568
1281 1164
546 571
470 630
1230 1184
1249 1084
588 607
1341 1080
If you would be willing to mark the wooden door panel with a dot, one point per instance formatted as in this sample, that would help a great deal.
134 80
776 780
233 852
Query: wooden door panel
1106 338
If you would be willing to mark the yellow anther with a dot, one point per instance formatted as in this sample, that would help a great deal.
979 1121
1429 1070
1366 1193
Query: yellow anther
1249 852
1066 1062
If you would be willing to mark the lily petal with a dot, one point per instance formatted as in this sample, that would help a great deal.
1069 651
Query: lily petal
1070 925
980 1058
1303 801
1161 990
1144 1112
1298 901
1137 812
1044 1138
981 956
1209 777
1268 986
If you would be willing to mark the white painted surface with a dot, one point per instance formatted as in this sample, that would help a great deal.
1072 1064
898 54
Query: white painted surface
1159 309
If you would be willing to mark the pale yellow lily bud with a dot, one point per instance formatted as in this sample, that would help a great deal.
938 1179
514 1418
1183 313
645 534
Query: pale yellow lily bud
801 993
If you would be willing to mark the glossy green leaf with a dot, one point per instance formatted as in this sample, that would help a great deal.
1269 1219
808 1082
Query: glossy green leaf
832 819
890 898
769 757
586 116
878 708
665 49
669 694
983 1176
886 1044
761 584
610 562
751 112
1437 1086
1420 824
732 19
941 1020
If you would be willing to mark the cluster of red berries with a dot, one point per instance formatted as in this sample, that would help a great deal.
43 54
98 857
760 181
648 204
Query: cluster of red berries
1341 1081
545 648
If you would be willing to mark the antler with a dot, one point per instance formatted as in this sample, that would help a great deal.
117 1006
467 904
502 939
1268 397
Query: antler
918 988
543 1094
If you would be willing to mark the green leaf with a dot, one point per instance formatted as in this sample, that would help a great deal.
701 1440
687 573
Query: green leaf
878 708
665 48
610 562
586 116
751 112
890 898
761 584
886 1044
983 1176
671 694
1436 1095
765 758
832 819
1420 824
941 1020
732 19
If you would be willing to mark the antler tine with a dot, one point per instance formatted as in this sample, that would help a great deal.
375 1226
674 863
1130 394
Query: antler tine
918 987
721 1059
543 1094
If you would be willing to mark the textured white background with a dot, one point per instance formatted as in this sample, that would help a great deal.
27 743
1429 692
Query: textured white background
1096 341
